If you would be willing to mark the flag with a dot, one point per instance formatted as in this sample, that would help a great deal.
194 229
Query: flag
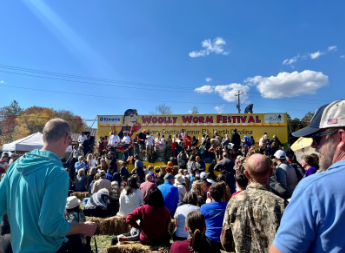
332 121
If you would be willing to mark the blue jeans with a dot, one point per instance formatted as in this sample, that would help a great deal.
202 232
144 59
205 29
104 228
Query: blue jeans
136 152
125 153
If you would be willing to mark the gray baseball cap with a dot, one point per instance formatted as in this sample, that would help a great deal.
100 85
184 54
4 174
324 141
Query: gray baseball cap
329 115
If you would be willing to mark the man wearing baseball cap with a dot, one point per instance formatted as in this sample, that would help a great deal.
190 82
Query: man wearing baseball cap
314 220
285 174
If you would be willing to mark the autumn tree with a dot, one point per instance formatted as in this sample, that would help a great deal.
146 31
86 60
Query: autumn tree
195 110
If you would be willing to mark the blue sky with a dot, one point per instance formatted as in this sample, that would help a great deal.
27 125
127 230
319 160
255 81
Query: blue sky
285 56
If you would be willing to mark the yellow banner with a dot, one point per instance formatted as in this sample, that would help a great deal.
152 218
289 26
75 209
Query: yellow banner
196 125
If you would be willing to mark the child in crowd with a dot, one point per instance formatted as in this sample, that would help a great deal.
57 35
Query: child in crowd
73 214
242 182
196 242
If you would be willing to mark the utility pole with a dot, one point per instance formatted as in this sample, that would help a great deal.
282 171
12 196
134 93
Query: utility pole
238 106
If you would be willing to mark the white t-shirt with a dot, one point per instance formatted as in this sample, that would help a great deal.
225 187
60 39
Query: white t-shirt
81 139
130 202
93 163
180 215
114 140
149 140
126 140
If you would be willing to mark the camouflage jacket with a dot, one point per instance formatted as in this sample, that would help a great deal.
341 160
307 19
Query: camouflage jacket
252 219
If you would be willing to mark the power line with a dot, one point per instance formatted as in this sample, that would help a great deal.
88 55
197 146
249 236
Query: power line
306 101
148 100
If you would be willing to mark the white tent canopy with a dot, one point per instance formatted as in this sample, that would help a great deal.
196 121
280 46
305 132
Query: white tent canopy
29 143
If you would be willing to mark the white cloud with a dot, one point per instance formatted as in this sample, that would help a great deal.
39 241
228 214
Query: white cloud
342 56
332 48
305 56
208 79
215 46
205 89
219 109
316 55
2 82
227 92
289 84
290 61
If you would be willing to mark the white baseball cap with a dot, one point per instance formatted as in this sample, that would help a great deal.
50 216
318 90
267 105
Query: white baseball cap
203 175
279 154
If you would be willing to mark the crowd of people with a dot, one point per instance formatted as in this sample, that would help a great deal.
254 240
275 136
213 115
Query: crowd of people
263 199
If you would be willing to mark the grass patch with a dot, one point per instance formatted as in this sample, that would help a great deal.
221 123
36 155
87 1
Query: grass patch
103 242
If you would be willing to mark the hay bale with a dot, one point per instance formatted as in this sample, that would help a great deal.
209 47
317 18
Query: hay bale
137 247
80 195
115 225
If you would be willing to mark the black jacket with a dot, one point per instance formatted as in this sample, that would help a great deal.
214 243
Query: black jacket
225 164
236 139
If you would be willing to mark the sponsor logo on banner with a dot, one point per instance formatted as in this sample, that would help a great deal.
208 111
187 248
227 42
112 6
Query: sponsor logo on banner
110 119
274 118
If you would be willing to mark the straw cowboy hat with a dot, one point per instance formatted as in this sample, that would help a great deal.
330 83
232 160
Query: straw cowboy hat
72 202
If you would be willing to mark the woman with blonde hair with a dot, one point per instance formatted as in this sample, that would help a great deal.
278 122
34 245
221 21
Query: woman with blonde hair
103 165
200 188
81 181
196 241
90 161
90 176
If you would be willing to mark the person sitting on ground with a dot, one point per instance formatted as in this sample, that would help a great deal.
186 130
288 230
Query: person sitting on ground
133 235
170 193
81 164
90 176
196 242
103 166
307 164
255 207
151 172
109 175
101 183
97 205
81 181
189 204
200 189
226 189
73 214
91 162
181 186
96 177
242 182
147 186
160 178
214 214
5 239
154 219
117 186
123 170
130 198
